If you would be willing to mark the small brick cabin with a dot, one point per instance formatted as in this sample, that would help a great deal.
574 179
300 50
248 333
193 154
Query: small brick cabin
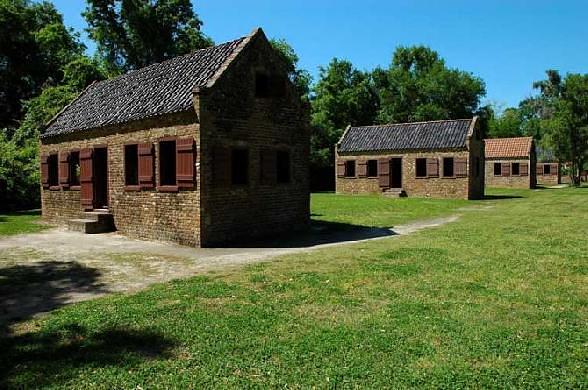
442 159
511 162
548 169
202 149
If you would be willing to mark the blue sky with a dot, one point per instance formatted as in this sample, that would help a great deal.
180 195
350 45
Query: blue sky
509 44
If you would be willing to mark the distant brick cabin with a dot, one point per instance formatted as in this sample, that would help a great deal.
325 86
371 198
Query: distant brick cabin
201 149
511 162
441 159
548 168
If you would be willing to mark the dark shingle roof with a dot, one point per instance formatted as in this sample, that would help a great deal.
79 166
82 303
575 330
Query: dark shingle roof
446 134
157 89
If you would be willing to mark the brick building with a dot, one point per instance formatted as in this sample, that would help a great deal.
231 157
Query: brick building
511 162
201 149
443 159
548 168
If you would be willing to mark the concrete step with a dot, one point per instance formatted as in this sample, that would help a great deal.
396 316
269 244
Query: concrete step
92 222
394 193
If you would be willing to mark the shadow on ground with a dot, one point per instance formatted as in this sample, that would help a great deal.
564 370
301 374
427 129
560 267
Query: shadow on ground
498 197
41 359
319 233
27 290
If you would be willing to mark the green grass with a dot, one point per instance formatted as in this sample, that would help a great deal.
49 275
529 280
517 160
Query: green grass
20 223
497 299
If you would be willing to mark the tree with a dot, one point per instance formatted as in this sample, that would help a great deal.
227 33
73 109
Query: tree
418 86
299 77
343 96
35 45
131 34
507 124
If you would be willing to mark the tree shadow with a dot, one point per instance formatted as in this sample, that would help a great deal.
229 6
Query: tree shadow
27 290
21 213
318 233
40 359
498 197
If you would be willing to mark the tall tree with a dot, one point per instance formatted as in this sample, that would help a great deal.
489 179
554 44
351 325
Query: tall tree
507 124
134 33
35 45
299 77
418 86
343 96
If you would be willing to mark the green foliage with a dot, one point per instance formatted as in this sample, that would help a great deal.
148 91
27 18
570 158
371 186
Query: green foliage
131 34
418 86
343 96
34 47
299 77
508 124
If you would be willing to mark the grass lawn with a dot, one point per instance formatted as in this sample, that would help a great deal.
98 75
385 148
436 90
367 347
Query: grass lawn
496 299
20 222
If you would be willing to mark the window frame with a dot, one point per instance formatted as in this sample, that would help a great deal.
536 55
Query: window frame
245 183
127 186
288 168
348 164
548 166
512 170
74 186
452 176
53 172
499 165
423 160
165 187
367 169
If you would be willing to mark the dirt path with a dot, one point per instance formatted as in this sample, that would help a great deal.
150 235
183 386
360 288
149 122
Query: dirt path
43 271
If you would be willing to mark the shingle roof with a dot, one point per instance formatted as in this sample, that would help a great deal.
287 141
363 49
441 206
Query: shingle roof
508 147
446 134
157 89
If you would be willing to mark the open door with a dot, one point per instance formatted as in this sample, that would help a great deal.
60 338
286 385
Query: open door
87 179
396 173
100 179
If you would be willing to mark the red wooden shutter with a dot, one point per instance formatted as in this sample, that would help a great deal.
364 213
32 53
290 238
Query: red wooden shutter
185 162
524 169
384 172
146 159
362 168
268 166
221 166
540 169
45 170
340 168
554 169
86 179
64 169
505 169
432 167
461 167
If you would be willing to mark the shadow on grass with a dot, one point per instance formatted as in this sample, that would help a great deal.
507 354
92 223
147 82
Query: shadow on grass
498 197
40 359
26 290
319 233
20 213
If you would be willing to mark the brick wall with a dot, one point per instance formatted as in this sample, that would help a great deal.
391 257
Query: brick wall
232 117
148 214
440 187
510 181
554 178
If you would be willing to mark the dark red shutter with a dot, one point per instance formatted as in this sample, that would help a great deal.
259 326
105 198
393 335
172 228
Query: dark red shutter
185 171
146 179
340 168
268 166
362 168
64 169
384 172
524 169
505 169
554 169
432 167
461 167
45 170
540 169
221 166
86 179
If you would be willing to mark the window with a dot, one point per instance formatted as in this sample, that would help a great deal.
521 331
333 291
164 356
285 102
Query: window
497 169
240 167
448 167
421 167
131 165
372 168
53 170
167 163
74 168
350 168
268 86
546 169
516 169
283 166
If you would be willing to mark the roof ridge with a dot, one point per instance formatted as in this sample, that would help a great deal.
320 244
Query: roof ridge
507 138
414 123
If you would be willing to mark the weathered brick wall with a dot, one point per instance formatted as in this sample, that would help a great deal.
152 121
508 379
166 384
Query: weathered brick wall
440 187
549 180
509 181
148 214
231 116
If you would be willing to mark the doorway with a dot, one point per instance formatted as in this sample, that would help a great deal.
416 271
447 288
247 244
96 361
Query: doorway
396 172
100 164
